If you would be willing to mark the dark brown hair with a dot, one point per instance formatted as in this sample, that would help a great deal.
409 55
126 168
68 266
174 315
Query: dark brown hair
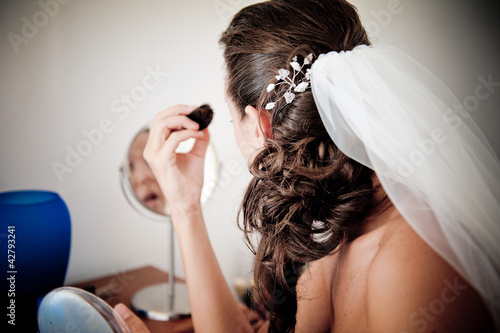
306 195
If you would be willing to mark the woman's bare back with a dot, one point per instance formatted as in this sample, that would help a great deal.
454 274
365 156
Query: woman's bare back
387 280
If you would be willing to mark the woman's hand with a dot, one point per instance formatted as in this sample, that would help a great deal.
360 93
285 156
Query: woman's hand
133 322
180 175
252 316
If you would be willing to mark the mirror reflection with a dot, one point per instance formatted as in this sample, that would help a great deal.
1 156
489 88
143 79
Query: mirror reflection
143 182
140 185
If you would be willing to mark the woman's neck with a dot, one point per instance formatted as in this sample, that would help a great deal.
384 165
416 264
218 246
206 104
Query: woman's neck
383 212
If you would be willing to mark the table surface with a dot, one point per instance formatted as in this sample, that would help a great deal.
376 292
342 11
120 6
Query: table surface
121 286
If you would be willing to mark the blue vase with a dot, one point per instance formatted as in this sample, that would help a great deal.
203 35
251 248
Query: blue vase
35 239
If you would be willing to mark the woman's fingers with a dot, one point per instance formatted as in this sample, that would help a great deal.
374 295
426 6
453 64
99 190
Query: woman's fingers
252 317
169 146
179 109
174 118
133 322
180 175
201 144
163 127
165 123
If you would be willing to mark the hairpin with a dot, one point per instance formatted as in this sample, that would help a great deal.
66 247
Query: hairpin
284 77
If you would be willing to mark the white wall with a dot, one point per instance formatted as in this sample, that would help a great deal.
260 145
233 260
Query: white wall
70 76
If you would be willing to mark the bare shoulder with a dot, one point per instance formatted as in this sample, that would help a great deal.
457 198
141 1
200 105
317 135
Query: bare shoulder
313 296
410 288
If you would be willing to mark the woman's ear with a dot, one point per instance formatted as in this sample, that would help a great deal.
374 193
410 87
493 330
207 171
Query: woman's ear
260 123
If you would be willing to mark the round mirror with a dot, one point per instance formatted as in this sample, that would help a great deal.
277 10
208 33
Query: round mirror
164 301
141 187
68 309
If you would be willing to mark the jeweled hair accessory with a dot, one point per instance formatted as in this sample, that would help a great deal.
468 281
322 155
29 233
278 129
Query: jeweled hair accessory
283 77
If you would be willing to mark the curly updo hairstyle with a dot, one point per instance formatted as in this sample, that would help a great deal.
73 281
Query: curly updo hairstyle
306 196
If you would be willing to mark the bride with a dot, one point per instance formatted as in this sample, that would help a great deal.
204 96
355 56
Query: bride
374 213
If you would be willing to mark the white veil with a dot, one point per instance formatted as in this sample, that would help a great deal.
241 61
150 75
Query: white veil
388 112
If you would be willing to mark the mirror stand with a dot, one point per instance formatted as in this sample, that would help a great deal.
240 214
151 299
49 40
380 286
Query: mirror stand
164 301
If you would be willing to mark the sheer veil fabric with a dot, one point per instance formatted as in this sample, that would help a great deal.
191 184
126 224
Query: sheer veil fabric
385 110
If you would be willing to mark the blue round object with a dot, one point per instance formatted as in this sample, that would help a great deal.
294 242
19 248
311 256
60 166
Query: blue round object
35 240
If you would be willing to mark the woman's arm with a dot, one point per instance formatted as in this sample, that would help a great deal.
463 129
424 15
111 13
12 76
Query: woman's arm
213 307
313 296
